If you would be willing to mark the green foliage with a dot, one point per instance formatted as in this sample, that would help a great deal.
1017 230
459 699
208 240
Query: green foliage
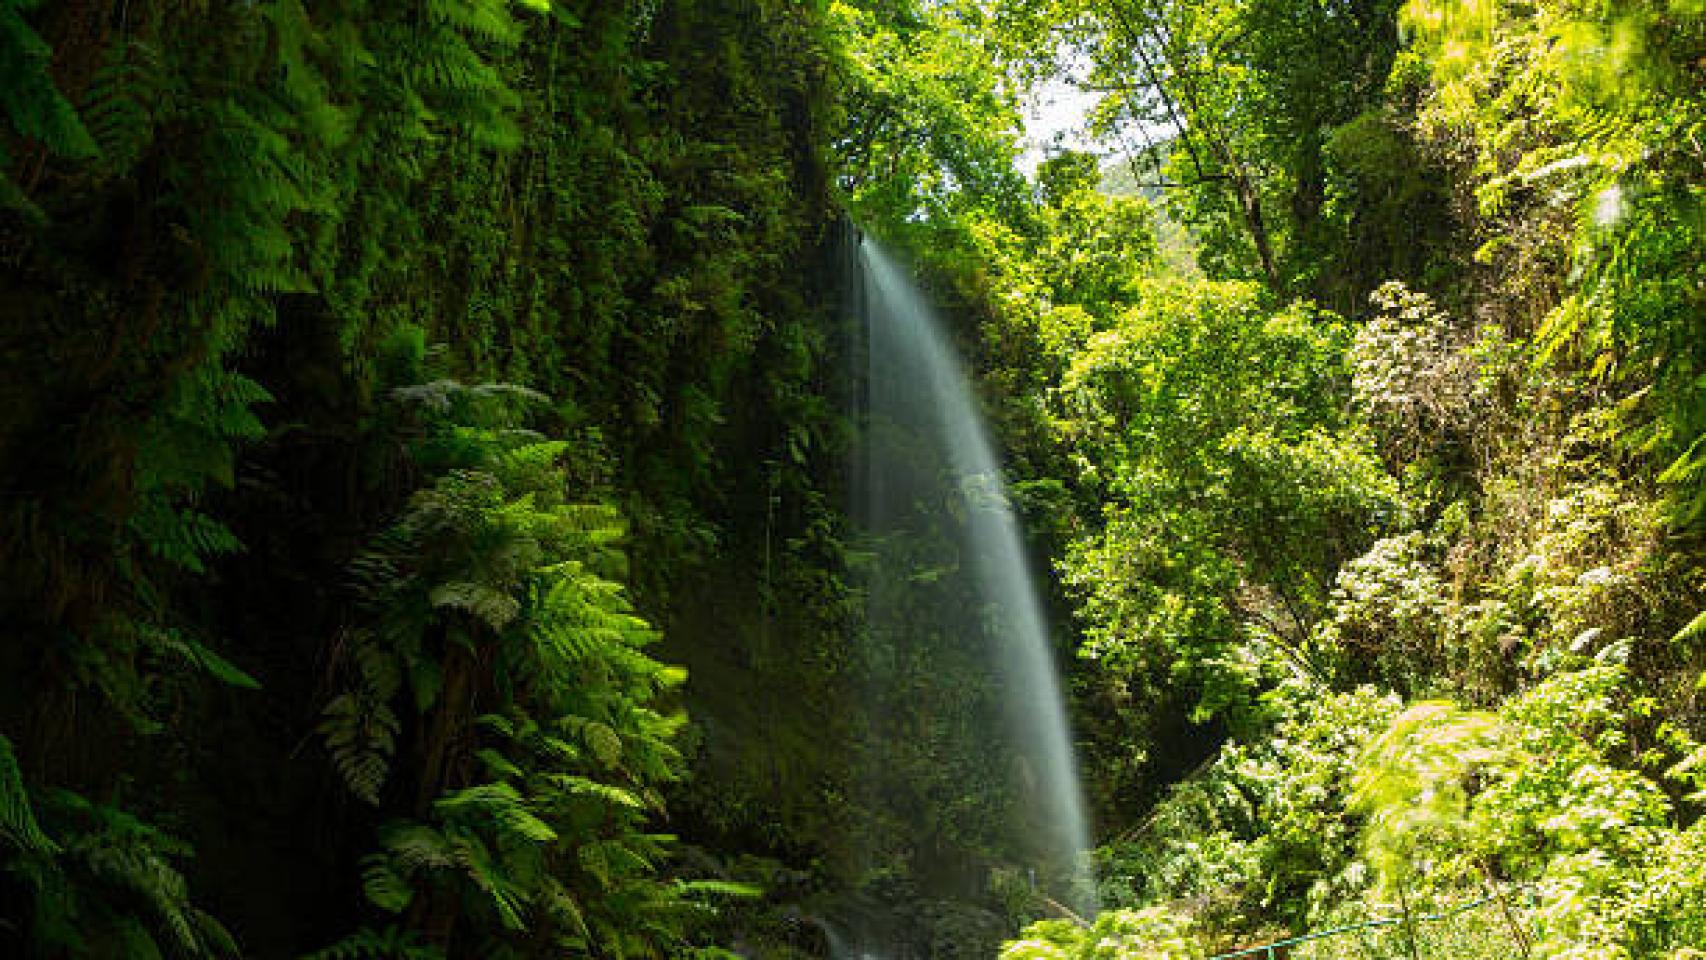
37 113
1485 491
228 232
1390 618
1577 117
612 201
1211 428
1153 932
1265 832
1555 798
96 881
1386 212
16 817
937 126
1096 249
1237 126
1356 810
496 643
385 943
1410 782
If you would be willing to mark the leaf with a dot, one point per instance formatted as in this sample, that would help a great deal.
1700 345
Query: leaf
384 888
585 787
1694 632
723 888
417 846
506 896
17 821
388 943
503 804
199 655
496 608
498 764
605 743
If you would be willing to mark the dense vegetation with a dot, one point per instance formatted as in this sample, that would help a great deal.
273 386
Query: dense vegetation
425 436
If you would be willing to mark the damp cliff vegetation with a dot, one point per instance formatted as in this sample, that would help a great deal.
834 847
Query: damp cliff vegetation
425 442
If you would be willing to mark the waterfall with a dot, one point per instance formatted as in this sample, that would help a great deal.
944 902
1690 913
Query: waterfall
961 685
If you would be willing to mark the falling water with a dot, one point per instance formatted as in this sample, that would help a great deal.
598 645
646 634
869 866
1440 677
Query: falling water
951 592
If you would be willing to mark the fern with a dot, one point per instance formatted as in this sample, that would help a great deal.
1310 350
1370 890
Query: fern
118 107
37 111
417 847
111 877
722 889
556 901
490 605
360 726
1692 634
383 886
17 822
361 735
385 943
489 556
501 805
190 445
507 895
198 655
573 785
182 537
486 19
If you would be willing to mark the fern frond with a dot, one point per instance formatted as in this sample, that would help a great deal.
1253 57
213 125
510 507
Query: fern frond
450 66
17 821
182 537
494 607
383 886
117 108
722 888
28 96
417 846
506 896
124 861
386 943
487 19
603 792
562 907
198 655
498 764
503 805
361 735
